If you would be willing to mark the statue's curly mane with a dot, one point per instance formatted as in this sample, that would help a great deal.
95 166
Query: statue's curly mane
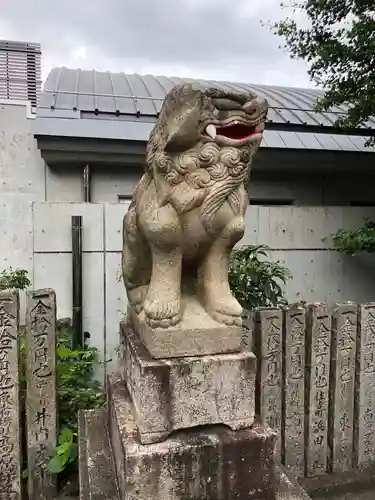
213 172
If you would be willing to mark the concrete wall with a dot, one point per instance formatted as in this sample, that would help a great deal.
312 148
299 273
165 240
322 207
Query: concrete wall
22 181
294 235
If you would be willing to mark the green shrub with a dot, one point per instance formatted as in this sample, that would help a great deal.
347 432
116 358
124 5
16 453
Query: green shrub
352 242
14 278
77 390
255 281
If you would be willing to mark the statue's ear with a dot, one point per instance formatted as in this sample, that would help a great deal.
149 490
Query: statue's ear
183 120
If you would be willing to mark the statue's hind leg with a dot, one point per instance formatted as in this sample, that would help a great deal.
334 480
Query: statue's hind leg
136 261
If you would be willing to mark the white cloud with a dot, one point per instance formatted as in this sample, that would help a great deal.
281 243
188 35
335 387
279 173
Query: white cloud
216 39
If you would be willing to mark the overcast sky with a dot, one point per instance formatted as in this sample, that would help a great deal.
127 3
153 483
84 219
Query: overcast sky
218 39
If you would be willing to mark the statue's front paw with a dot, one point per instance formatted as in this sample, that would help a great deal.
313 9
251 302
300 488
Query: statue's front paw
162 313
226 319
225 309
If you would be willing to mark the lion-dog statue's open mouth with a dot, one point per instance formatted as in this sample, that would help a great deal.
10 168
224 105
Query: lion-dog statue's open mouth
188 210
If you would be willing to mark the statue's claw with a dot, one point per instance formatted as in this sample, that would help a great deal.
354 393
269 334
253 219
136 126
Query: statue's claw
227 320
162 313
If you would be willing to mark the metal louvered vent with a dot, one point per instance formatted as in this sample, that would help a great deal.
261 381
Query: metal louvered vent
20 71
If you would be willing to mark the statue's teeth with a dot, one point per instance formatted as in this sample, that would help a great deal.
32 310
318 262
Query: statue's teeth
211 130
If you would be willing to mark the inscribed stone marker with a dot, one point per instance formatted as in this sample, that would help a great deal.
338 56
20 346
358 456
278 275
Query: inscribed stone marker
318 340
294 362
10 435
268 343
341 413
365 392
41 391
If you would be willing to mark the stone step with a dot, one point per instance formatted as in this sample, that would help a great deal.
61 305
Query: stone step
97 473
205 462
349 485
97 478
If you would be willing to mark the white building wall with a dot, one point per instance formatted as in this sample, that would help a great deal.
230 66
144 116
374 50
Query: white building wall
64 184
110 182
22 181
305 190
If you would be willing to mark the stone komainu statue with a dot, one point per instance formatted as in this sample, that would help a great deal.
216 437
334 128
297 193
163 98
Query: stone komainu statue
187 211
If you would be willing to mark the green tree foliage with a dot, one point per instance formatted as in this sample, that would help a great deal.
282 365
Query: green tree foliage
254 280
353 242
337 39
14 278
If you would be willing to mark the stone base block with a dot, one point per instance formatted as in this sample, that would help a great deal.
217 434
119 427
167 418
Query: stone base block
98 479
181 393
208 463
196 335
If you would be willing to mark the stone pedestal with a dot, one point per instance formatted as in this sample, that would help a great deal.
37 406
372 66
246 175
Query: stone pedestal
180 393
213 462
180 428
196 335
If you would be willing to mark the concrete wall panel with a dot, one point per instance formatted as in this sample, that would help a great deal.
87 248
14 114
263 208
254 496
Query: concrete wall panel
54 270
52 226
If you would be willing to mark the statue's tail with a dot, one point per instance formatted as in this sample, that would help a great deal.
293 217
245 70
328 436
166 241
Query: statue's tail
225 190
139 190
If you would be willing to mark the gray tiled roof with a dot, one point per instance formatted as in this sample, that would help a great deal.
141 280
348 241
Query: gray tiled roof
69 89
85 103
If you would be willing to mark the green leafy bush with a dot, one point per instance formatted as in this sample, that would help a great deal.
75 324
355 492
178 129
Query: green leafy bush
255 281
14 278
66 451
352 242
77 390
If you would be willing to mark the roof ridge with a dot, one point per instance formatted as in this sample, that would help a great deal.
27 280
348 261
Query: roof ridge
172 77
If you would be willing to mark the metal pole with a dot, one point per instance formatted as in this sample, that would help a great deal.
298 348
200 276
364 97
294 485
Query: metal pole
87 183
77 280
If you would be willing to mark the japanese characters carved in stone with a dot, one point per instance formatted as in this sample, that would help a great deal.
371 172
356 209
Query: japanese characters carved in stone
187 211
